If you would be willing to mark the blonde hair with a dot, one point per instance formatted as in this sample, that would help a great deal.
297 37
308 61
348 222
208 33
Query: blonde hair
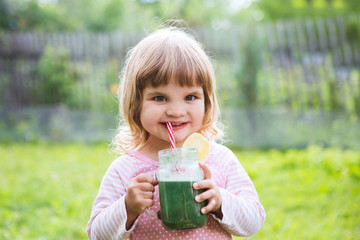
166 54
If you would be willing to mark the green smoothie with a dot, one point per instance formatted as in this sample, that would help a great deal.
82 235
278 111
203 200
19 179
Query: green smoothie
179 210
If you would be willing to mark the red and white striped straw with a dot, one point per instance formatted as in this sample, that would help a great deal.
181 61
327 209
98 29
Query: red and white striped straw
171 135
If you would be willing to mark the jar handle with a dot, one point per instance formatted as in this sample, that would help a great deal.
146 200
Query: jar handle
148 211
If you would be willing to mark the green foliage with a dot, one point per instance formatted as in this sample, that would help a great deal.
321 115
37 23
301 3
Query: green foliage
110 15
46 191
334 101
56 77
106 16
26 15
250 64
4 15
285 9
352 32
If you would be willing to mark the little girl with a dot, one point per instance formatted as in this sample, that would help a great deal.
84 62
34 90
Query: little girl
169 78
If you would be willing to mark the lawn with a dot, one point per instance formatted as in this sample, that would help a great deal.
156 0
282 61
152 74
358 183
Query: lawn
47 190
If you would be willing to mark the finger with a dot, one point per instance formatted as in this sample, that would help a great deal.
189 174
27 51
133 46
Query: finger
146 187
206 169
205 196
144 178
204 184
146 203
147 195
209 207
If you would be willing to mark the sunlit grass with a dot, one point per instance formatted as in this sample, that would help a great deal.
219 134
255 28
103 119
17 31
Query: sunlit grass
47 190
307 194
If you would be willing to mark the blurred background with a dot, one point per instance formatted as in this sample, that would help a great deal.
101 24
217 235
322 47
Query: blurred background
288 83
287 71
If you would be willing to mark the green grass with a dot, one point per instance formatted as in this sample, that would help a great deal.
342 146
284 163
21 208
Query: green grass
47 190
307 194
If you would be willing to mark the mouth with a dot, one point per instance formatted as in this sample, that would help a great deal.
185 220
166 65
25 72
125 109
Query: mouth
176 125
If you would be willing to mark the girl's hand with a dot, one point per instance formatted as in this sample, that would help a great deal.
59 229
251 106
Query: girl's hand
139 197
212 193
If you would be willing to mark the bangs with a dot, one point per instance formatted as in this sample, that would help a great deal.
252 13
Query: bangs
174 59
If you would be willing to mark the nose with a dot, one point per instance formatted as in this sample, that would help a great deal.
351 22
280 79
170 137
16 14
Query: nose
176 110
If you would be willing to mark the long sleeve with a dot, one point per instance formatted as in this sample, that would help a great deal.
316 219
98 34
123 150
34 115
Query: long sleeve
243 214
108 215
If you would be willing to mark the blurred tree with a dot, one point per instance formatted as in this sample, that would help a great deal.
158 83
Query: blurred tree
250 64
111 15
280 9
196 13
56 77
32 15
4 15
43 18
94 15
108 15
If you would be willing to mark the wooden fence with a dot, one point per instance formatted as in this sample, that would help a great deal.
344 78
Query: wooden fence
301 64
315 64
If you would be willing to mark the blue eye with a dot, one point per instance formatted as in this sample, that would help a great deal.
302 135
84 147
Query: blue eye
190 98
160 98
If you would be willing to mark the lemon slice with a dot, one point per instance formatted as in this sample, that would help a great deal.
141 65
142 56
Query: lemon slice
198 141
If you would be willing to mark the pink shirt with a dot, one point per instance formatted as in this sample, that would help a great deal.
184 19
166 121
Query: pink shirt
243 215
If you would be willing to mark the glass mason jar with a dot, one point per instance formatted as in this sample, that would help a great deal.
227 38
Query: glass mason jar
178 171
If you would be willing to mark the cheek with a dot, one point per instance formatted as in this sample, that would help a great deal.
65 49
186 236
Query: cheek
199 113
149 115
143 115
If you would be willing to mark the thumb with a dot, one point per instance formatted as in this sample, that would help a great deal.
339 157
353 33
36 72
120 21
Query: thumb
206 169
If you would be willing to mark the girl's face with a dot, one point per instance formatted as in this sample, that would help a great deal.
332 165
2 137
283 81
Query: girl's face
184 107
